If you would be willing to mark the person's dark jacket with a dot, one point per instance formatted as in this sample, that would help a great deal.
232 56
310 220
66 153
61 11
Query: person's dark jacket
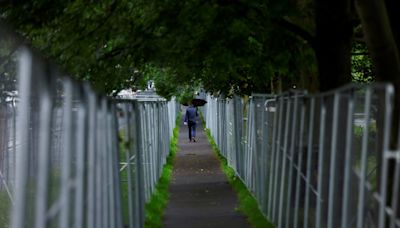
191 114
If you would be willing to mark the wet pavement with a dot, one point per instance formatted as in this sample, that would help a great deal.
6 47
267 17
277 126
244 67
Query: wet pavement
200 195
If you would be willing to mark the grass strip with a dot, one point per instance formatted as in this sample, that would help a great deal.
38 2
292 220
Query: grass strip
247 203
154 209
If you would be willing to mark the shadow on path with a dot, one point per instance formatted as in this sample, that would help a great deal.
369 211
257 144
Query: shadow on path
200 195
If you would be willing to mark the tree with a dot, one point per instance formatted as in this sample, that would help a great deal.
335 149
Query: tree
76 35
382 33
229 46
333 42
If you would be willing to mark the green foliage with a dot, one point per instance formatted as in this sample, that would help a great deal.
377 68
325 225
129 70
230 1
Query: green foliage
5 207
7 66
225 46
158 201
359 131
186 95
162 78
362 70
77 36
247 203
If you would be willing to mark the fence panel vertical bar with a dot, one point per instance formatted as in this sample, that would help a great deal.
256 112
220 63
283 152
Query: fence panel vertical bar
385 149
273 163
364 148
310 144
290 158
333 159
45 117
276 150
81 141
283 161
395 194
66 157
348 160
321 158
91 192
23 118
299 164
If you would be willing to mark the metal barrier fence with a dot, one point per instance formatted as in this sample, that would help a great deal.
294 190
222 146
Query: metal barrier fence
8 110
314 161
70 157
146 125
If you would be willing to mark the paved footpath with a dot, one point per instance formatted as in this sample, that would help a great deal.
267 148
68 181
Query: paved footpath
200 195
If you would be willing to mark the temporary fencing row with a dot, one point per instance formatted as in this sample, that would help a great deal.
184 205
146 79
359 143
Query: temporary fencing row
146 127
70 157
314 161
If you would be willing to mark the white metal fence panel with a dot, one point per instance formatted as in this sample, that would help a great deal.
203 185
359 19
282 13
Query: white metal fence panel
70 157
314 161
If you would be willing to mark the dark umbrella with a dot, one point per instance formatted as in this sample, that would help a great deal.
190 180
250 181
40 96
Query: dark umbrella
198 102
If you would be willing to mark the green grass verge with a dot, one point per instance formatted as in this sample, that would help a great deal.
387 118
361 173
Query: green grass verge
247 203
5 207
154 209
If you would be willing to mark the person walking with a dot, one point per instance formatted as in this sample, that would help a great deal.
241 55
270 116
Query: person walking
190 121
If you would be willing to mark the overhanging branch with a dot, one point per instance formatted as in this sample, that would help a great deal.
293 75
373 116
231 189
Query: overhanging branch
297 30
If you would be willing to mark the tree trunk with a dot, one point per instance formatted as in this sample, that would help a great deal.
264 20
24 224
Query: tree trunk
381 41
383 48
276 84
393 7
392 19
334 34
309 81
333 42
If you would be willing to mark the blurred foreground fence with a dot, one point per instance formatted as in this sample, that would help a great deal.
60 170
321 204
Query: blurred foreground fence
70 157
314 161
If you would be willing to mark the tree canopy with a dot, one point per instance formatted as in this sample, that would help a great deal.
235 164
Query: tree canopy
226 46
